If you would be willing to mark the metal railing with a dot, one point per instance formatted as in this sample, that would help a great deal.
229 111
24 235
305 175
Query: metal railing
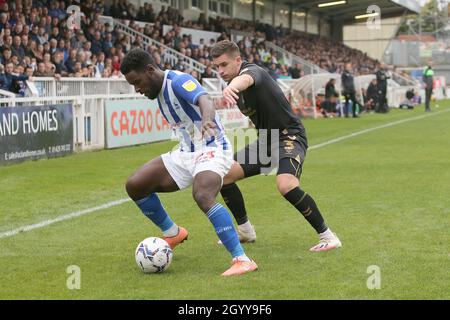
169 55
404 81
47 87
6 94
291 59
66 87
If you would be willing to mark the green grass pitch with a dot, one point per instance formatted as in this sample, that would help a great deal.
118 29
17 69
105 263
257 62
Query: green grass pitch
386 193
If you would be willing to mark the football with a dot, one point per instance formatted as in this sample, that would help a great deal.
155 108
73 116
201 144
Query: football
153 255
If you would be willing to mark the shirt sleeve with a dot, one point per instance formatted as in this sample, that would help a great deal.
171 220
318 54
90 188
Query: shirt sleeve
254 72
22 77
187 87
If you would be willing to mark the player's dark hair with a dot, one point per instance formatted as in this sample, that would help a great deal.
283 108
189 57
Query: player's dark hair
224 46
136 60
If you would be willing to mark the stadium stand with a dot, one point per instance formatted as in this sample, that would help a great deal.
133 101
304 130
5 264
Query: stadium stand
35 38
312 48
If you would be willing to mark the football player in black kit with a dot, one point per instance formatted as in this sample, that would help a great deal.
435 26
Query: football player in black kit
259 97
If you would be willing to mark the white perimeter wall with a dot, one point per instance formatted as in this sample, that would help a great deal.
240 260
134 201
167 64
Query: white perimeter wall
372 41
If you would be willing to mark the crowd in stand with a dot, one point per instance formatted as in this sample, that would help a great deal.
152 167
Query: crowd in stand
325 53
36 41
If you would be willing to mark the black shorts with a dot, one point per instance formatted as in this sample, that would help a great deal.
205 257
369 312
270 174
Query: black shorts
262 157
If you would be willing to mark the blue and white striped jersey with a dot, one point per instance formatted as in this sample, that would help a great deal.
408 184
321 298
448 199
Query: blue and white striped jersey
178 104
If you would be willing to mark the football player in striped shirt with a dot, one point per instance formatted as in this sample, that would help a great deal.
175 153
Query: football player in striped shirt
203 158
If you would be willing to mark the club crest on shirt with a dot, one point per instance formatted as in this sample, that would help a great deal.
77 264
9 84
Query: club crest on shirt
189 86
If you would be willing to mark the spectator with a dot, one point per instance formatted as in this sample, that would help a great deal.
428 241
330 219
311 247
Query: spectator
6 56
372 95
55 34
61 12
62 48
179 65
24 43
8 81
296 71
34 34
29 72
258 60
106 73
53 46
38 52
283 72
273 71
18 29
15 60
115 63
382 78
60 67
4 21
42 71
8 42
53 9
107 43
195 75
78 69
329 105
208 73
22 85
42 36
348 85
70 62
96 45
87 49
100 63
408 103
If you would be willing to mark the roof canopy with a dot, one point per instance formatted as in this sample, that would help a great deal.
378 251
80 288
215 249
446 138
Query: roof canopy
347 11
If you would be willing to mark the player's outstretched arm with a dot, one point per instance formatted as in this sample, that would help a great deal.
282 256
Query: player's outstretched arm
238 84
208 115
242 82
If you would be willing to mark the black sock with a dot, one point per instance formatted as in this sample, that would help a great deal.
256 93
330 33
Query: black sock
307 207
235 202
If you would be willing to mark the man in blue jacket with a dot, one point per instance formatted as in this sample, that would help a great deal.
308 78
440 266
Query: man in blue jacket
9 80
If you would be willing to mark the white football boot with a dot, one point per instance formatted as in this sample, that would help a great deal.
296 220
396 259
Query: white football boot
327 241
246 233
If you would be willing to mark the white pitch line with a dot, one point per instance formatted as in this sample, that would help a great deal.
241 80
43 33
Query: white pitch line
62 218
390 124
45 223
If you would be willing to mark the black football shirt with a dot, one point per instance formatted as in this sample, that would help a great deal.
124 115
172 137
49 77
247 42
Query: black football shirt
265 103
